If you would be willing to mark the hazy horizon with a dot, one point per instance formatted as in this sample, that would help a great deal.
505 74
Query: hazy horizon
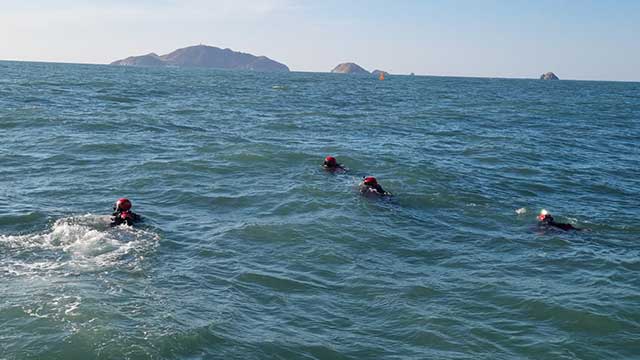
515 39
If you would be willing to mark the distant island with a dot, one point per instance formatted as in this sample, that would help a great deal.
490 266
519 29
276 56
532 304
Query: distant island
349 68
353 68
549 76
377 73
206 56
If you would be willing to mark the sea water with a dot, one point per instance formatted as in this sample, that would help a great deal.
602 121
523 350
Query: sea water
250 250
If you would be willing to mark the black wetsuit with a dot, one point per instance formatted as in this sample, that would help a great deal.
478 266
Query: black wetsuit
124 217
548 221
377 187
336 167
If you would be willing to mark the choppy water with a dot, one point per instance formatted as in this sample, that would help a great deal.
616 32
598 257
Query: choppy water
251 251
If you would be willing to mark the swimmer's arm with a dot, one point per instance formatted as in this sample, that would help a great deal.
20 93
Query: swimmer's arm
382 191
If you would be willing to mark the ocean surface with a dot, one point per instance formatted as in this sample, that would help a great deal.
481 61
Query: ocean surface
249 250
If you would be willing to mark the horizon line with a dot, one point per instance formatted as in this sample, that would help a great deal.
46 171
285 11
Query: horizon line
317 72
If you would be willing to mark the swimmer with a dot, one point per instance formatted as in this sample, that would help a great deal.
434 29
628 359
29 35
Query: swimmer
122 213
331 164
369 185
545 219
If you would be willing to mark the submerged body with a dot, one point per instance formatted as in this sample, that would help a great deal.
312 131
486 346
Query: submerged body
125 217
370 186
331 164
545 219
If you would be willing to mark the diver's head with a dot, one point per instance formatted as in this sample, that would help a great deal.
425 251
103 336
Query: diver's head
123 204
370 181
545 216
330 161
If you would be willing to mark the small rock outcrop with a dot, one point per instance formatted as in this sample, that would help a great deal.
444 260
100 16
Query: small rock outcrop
350 68
549 76
205 56
377 73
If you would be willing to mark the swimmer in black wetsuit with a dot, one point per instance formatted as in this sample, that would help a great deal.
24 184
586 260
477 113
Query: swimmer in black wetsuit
122 213
331 164
545 219
370 186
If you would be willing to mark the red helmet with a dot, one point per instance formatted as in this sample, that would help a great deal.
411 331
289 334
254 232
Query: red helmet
123 204
330 160
371 181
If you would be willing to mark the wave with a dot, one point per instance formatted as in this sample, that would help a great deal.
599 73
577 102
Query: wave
118 99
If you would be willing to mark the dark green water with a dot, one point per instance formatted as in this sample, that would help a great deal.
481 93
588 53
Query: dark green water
251 251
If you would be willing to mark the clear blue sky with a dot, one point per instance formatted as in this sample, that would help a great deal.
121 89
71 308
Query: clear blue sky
579 39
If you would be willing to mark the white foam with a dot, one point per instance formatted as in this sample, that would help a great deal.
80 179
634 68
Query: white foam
521 211
54 307
80 243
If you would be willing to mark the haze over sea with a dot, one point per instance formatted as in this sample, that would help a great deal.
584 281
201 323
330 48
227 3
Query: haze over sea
249 250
